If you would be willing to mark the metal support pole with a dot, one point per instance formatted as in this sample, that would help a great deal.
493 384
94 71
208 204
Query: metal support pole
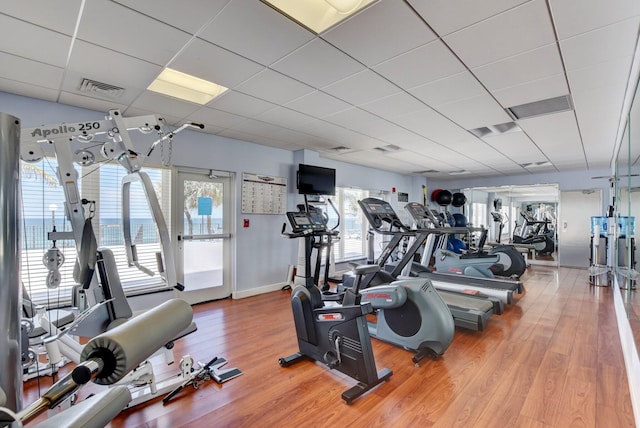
10 244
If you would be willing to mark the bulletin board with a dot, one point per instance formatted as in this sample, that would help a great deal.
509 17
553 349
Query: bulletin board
263 194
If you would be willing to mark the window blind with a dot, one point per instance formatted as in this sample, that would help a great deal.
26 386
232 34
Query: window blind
102 184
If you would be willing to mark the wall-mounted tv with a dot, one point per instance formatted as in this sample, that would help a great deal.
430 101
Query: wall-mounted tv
316 180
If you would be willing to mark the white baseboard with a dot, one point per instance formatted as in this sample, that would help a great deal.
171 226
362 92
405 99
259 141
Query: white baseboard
259 290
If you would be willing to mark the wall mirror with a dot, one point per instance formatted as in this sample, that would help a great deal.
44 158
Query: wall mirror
518 214
626 190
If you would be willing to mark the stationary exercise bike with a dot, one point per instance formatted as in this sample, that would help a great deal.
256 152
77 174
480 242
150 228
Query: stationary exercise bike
336 335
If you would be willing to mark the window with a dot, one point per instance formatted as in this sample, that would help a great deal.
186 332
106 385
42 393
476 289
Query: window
354 228
479 214
43 201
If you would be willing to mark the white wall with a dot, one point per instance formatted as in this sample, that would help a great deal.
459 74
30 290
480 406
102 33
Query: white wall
573 180
262 255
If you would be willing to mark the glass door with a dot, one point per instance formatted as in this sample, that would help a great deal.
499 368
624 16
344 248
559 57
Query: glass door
203 234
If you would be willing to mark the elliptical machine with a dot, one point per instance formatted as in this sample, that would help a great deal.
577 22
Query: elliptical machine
411 314
335 335
534 232
511 262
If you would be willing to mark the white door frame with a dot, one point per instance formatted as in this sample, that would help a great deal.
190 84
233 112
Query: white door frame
180 238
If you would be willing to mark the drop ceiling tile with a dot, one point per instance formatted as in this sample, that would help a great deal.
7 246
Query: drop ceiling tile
516 70
421 65
479 151
189 18
264 36
285 117
340 135
372 36
238 103
447 16
56 15
26 71
210 62
458 87
598 126
28 90
611 73
274 87
422 162
318 104
361 88
33 42
475 112
441 153
557 135
575 17
90 103
573 166
253 126
394 105
360 121
520 29
119 28
169 119
216 118
161 104
432 125
299 140
549 87
516 146
120 70
317 64
601 45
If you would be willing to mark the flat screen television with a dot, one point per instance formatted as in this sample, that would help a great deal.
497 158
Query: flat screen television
316 180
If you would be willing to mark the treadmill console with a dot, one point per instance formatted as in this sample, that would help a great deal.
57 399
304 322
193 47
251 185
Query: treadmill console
420 214
378 211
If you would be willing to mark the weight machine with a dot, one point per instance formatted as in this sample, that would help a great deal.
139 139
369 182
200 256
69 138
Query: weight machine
103 306
74 143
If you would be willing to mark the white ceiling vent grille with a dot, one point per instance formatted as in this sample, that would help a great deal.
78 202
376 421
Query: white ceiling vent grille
339 149
388 148
100 88
542 107
491 130
426 171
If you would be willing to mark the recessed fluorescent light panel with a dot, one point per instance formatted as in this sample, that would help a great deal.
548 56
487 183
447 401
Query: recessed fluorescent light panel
318 15
185 87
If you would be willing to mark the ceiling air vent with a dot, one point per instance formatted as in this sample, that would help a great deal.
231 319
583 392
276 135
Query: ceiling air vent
388 148
481 132
426 171
539 108
339 149
491 130
100 88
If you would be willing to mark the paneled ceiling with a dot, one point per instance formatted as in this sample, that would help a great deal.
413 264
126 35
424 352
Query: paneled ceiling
398 86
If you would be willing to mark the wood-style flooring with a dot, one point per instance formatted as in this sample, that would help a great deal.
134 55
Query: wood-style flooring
553 359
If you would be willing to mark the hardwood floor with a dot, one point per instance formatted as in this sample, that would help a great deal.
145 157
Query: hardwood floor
551 360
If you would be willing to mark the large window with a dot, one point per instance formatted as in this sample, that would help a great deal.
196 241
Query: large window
354 237
43 203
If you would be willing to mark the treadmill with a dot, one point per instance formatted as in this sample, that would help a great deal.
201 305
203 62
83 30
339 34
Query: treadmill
471 311
423 216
